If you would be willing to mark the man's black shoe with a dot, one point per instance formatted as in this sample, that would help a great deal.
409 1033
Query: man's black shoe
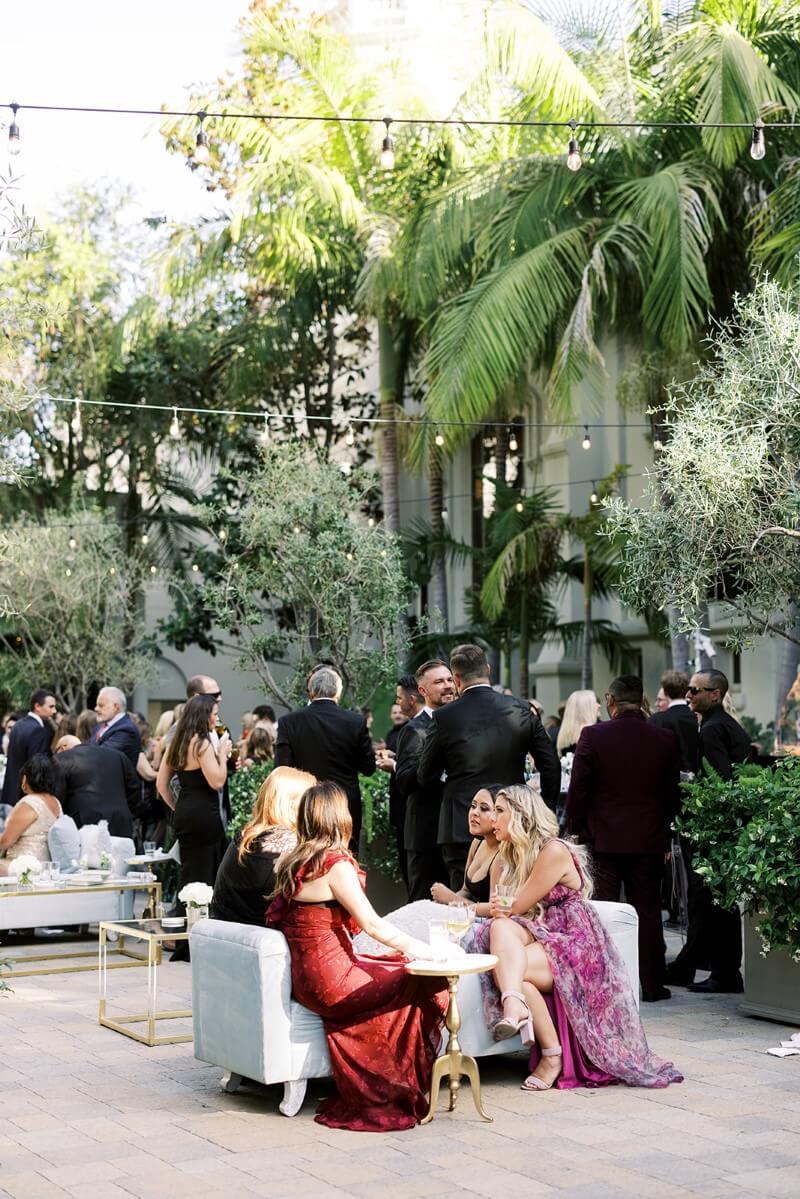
679 977
654 996
719 986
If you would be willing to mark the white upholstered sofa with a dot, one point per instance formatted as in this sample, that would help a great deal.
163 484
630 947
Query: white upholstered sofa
246 1022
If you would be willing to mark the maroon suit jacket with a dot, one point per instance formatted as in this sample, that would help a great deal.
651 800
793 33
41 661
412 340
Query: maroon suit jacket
624 789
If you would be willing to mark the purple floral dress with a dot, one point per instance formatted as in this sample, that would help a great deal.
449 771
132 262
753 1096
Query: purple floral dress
592 1003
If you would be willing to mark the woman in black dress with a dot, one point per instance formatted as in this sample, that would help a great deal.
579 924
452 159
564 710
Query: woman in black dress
246 877
202 768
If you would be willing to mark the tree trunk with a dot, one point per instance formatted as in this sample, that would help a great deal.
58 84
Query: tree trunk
501 454
438 583
524 646
679 643
388 371
586 663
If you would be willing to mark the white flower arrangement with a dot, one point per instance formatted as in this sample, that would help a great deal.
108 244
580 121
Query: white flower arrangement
196 895
25 867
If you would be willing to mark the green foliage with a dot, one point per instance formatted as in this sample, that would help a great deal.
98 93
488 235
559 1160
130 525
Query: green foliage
307 581
4 987
243 787
721 505
381 845
746 844
72 614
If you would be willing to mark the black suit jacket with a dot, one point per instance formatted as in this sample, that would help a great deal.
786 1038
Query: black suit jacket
681 721
26 738
483 738
330 742
98 783
624 786
723 743
423 804
123 736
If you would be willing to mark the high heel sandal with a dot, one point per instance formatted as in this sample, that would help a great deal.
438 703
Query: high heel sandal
507 1027
532 1083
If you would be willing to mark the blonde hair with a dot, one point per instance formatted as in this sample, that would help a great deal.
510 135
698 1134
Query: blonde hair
276 805
530 825
165 723
580 710
324 825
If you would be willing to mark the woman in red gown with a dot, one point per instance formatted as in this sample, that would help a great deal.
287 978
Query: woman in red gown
383 1025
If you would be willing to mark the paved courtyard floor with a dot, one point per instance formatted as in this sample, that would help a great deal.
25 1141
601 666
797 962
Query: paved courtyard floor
86 1111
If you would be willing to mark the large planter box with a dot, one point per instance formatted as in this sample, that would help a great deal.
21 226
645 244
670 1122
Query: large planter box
771 984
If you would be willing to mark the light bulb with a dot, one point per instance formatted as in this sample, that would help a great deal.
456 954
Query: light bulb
371 522
439 439
383 553
349 557
593 496
350 438
13 132
175 426
68 573
587 441
658 444
145 539
195 567
72 542
297 528
113 570
444 514
758 147
265 430
387 148
153 570
201 154
573 153
223 534
513 444
76 419
519 506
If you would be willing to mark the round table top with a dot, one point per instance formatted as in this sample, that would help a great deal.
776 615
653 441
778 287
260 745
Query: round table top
470 963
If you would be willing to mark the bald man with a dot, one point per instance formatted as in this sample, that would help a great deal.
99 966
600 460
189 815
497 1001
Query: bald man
97 783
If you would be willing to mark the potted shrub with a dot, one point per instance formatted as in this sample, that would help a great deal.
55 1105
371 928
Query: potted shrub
385 886
745 836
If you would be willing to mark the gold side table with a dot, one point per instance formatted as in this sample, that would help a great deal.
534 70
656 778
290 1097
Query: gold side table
453 1063
154 933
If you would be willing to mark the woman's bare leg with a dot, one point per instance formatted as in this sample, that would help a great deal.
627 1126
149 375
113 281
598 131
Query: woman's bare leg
538 982
508 941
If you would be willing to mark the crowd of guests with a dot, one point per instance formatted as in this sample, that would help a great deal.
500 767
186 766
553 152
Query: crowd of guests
475 791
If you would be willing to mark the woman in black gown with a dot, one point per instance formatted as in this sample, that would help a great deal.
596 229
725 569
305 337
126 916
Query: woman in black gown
202 768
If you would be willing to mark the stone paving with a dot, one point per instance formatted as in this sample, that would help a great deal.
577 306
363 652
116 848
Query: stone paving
89 1112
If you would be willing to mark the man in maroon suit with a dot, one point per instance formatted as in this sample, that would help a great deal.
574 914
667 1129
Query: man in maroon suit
623 795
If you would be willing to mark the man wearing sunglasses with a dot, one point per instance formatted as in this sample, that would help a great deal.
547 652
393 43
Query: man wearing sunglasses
715 934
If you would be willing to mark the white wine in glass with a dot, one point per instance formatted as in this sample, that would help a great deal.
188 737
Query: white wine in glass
458 921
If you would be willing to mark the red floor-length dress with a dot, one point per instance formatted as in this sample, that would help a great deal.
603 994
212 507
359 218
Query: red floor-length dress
383 1025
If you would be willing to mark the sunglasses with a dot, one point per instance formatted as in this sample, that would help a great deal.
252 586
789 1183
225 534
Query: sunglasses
697 690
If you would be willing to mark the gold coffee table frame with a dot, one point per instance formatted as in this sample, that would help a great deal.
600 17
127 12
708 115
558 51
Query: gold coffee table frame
153 890
154 934
453 1063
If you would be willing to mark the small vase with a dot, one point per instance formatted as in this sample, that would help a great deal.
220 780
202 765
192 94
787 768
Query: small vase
195 913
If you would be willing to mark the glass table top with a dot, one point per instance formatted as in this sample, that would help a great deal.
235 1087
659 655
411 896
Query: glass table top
170 928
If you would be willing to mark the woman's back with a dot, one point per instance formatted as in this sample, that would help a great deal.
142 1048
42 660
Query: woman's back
33 840
242 888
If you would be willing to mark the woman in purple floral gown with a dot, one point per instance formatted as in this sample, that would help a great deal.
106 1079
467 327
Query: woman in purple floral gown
559 976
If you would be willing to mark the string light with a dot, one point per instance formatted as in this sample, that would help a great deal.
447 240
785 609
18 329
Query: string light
658 444
175 426
113 570
573 153
76 420
593 499
349 557
223 535
513 444
520 507
371 522
350 436
387 148
587 441
72 543
13 131
757 145
153 570
265 431
145 539
195 567
201 151
439 439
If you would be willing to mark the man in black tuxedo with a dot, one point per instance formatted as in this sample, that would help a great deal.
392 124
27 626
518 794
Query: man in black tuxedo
715 935
482 738
97 783
679 718
328 741
623 795
30 735
115 729
408 702
422 804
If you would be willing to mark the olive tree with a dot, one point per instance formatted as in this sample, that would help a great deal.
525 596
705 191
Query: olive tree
306 578
719 519
73 613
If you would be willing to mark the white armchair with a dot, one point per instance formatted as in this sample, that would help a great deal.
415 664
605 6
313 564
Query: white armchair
246 1022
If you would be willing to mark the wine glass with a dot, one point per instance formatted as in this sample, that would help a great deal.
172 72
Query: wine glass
459 918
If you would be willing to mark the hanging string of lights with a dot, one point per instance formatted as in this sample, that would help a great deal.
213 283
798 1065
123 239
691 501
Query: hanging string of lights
299 418
387 157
